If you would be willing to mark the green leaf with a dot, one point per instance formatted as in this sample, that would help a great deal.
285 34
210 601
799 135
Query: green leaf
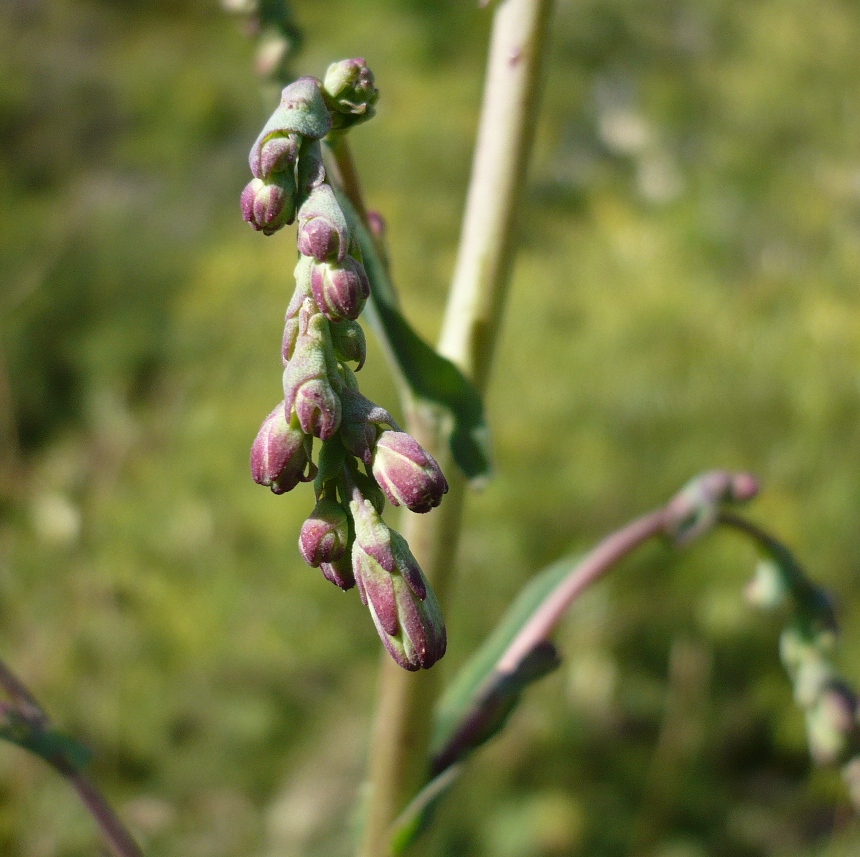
481 697
431 378
414 819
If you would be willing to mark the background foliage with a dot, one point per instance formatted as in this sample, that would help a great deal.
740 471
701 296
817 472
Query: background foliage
686 297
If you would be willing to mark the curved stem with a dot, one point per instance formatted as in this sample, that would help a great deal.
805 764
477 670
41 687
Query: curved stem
28 709
600 560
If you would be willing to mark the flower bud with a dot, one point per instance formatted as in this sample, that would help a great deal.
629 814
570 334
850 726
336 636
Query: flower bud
323 232
317 408
340 572
696 507
350 91
831 723
403 607
276 155
308 389
302 112
359 424
280 456
349 343
325 534
340 290
269 206
407 473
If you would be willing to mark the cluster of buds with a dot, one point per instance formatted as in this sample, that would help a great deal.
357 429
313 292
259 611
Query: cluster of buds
364 457
807 648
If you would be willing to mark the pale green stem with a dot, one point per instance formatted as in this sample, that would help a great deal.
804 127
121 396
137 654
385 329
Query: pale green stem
399 751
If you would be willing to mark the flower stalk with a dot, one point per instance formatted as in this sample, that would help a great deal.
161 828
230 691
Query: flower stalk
399 750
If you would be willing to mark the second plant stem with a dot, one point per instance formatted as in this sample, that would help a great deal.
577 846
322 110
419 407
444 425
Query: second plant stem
399 748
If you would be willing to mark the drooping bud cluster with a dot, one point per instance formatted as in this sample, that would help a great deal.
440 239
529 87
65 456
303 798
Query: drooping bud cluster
364 457
807 648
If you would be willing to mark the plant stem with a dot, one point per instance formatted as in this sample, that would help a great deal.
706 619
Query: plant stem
113 831
399 753
605 556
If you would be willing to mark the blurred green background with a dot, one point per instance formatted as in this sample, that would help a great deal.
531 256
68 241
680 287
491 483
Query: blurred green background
686 296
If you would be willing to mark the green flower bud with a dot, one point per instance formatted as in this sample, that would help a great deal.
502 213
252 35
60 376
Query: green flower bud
361 417
349 342
308 390
351 93
831 724
302 111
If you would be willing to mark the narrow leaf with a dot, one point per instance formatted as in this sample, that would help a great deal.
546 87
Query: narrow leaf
430 377
414 819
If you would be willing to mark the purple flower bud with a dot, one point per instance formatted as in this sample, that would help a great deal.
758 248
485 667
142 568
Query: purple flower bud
349 343
276 155
317 408
280 456
407 473
323 232
340 290
350 91
340 572
269 206
402 604
302 111
325 534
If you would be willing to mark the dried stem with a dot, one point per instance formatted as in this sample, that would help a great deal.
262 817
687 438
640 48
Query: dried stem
28 709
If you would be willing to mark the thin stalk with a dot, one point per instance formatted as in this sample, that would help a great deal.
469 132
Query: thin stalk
399 751
24 704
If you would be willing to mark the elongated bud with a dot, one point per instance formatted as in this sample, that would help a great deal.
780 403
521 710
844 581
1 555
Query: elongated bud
325 534
407 473
323 231
269 206
280 456
340 290
403 606
340 572
351 92
349 342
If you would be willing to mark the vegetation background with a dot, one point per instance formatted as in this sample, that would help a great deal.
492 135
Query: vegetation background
686 296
